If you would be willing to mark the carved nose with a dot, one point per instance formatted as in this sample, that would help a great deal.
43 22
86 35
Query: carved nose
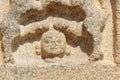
54 44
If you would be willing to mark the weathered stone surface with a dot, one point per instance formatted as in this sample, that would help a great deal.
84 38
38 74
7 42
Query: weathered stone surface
79 72
53 44
93 19
118 31
59 39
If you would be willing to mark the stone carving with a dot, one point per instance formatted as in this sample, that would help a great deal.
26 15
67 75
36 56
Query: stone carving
116 22
69 39
92 17
53 44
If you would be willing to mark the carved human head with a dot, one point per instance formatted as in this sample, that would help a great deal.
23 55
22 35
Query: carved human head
53 44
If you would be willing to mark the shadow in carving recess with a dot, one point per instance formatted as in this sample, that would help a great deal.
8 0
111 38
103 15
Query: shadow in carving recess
30 38
56 10
1 48
53 9
85 41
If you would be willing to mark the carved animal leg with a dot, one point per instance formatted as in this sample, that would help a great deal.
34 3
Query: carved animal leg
7 44
97 52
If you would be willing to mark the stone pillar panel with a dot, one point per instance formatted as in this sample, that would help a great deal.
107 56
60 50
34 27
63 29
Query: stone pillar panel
59 38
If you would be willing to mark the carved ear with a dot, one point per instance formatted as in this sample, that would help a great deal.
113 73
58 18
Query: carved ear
38 48
68 50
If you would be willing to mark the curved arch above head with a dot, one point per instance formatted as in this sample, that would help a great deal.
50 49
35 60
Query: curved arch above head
53 23
55 9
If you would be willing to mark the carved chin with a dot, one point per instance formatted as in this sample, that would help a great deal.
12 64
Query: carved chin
55 51
52 53
58 52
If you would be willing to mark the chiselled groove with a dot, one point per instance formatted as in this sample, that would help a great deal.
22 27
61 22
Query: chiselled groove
115 55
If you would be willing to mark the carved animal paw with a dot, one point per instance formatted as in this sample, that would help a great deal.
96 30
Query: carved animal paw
96 57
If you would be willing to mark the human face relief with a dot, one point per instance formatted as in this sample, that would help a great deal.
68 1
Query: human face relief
54 43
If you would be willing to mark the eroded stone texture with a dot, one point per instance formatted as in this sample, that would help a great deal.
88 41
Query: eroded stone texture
117 27
59 39
90 13
4 11
53 44
107 39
